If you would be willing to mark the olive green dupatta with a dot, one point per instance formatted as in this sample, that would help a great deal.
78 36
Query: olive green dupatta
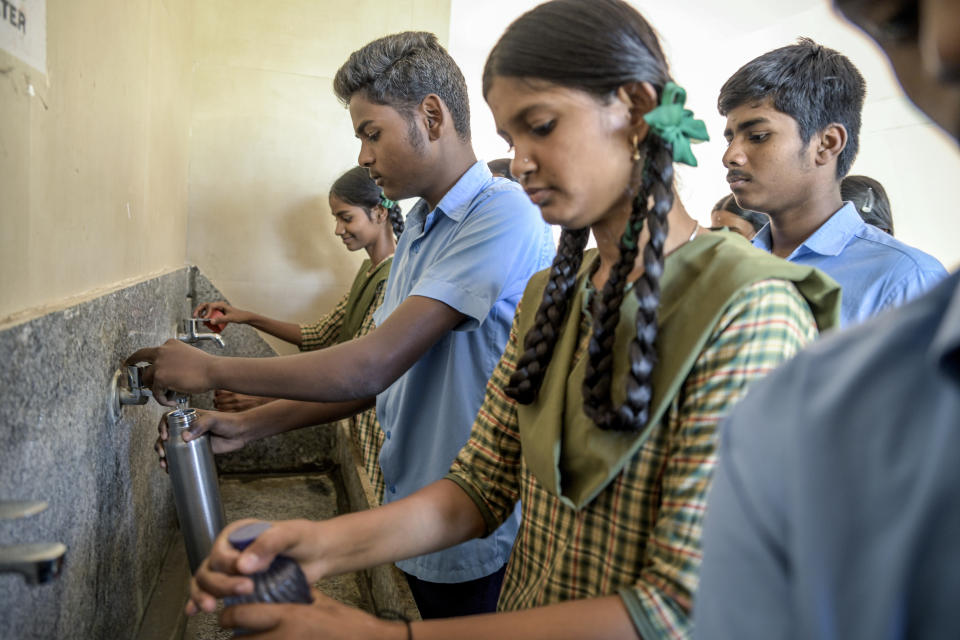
569 455
361 296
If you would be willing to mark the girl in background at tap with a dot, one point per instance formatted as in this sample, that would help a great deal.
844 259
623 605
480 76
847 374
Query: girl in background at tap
608 450
365 219
870 199
727 213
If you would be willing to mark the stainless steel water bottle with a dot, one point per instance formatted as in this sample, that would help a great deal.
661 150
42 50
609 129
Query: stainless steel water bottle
196 492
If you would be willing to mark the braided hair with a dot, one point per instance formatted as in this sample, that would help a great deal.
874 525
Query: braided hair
542 337
597 47
657 181
356 188
393 214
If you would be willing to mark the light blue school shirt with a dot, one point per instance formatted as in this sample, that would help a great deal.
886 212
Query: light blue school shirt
835 507
875 270
474 252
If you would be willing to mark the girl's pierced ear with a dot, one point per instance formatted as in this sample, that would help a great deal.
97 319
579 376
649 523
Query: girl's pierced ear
636 147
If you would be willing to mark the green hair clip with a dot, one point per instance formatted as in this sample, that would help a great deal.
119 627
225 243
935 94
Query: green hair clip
676 125
386 202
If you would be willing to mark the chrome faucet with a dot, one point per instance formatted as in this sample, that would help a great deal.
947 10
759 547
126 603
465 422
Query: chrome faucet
133 393
38 563
189 334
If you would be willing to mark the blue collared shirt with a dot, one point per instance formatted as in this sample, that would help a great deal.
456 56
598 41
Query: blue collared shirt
875 270
835 507
474 252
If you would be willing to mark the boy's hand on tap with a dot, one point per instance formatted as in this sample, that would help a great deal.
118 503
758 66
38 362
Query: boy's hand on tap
227 432
176 366
229 313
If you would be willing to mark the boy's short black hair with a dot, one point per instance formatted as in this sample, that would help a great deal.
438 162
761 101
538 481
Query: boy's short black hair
400 70
812 84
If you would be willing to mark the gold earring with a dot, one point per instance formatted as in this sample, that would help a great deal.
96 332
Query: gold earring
636 148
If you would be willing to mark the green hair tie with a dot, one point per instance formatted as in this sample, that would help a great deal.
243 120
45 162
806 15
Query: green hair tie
386 202
676 125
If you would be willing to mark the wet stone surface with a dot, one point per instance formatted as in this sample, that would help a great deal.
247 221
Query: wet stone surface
282 497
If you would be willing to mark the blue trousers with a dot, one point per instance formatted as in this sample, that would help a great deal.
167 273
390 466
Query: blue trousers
447 600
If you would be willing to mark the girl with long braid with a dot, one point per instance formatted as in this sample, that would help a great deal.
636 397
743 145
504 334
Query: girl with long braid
601 416
367 220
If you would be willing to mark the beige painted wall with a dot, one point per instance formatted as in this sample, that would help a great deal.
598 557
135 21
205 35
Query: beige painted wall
268 138
93 158
147 101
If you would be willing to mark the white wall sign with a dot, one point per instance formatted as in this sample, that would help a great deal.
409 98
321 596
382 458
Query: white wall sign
23 31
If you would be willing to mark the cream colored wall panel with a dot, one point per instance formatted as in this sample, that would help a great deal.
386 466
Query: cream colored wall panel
96 162
87 155
100 149
15 193
310 37
86 129
432 15
166 156
266 147
269 138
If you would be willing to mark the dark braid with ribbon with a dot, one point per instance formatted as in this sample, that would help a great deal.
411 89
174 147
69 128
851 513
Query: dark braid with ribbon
657 182
671 130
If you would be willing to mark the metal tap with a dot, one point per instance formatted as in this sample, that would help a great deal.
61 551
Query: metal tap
133 393
189 332
39 562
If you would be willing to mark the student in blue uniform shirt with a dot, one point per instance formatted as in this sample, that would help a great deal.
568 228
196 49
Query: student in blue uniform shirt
835 508
793 129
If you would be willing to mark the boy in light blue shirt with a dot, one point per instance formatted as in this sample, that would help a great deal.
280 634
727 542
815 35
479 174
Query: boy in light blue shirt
793 128
835 512
876 270
466 254
473 251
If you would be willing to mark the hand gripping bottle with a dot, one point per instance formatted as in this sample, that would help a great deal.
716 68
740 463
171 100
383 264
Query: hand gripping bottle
282 581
